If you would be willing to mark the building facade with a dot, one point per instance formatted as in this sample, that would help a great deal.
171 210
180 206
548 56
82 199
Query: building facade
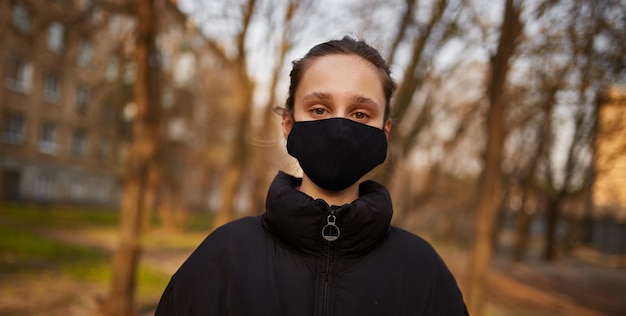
609 189
66 95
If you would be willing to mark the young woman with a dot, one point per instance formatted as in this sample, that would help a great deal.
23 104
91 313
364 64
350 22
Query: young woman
324 245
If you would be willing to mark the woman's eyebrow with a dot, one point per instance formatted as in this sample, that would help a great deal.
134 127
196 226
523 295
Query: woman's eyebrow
317 96
356 99
361 100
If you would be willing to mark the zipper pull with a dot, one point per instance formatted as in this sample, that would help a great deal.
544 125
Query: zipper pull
330 231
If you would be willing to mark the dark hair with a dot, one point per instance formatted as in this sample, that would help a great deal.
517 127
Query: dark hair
346 46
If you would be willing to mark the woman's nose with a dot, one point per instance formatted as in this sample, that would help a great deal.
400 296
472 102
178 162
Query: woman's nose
342 114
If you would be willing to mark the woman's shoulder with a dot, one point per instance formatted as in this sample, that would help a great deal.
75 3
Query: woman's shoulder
228 240
410 245
248 222
239 230
403 236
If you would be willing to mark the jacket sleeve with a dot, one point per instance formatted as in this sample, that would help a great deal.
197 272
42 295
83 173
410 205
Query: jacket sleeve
166 304
198 287
446 298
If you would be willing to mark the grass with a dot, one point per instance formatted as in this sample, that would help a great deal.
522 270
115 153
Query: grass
26 248
187 241
199 222
23 251
58 216
79 217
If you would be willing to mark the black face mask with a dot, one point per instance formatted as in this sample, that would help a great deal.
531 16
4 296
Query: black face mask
335 153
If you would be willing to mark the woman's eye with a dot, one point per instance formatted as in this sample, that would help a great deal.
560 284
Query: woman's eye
319 111
360 115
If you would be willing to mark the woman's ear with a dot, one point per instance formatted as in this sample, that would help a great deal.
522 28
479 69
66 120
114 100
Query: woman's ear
287 123
387 128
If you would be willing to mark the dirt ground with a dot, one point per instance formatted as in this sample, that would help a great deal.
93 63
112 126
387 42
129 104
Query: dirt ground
581 285
576 286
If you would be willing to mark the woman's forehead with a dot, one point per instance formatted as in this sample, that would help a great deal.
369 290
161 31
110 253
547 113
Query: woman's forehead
341 73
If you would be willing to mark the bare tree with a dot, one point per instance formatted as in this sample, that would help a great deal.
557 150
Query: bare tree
529 135
588 71
242 99
245 173
424 37
140 174
525 178
267 130
488 198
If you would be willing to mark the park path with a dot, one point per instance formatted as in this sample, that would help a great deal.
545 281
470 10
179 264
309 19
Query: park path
166 260
567 287
576 286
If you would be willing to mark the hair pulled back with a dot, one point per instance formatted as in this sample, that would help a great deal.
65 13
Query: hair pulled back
345 46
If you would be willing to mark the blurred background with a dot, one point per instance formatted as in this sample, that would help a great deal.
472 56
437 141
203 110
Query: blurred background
131 129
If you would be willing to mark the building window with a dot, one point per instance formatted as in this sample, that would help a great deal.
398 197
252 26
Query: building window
167 98
52 87
105 149
13 128
19 73
96 15
79 189
107 114
21 18
48 138
130 25
79 143
11 182
82 99
129 73
115 25
44 185
85 5
56 37
85 53
112 69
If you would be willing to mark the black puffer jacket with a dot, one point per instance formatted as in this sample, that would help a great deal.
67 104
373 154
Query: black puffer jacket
279 264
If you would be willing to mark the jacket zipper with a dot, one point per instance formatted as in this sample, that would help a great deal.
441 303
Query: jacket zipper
330 232
325 301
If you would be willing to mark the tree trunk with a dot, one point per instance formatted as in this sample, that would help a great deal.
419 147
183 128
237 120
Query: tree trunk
552 219
232 181
570 239
235 169
499 219
522 229
166 212
173 209
150 195
142 154
488 198
121 298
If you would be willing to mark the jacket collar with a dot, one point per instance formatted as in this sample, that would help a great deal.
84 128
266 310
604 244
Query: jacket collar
297 219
